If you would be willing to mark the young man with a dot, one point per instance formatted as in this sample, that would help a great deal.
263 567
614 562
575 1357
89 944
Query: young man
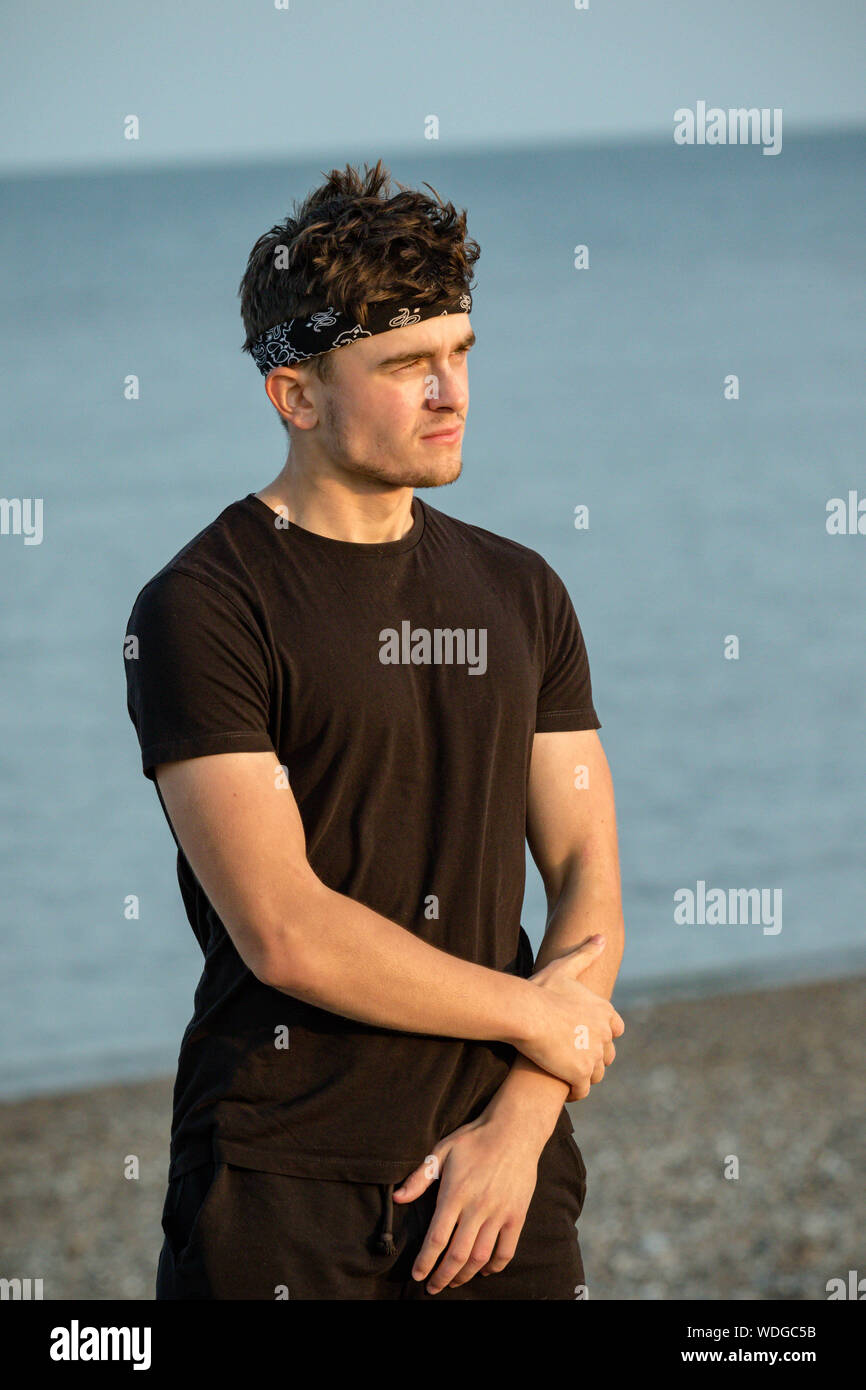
355 710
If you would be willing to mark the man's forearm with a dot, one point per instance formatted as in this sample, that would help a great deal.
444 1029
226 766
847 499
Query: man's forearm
590 901
342 956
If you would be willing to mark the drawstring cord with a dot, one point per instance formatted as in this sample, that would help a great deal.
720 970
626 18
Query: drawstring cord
385 1241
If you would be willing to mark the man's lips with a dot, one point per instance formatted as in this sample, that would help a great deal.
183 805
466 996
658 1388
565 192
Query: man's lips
444 434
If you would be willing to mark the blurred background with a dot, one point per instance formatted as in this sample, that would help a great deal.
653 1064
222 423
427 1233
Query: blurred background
603 384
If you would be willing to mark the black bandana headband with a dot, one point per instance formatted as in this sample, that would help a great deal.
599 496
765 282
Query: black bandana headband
327 329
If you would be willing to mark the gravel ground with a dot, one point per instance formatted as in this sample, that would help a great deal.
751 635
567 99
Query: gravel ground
776 1079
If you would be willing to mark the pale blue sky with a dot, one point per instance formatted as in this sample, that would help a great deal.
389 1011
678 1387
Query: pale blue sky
214 80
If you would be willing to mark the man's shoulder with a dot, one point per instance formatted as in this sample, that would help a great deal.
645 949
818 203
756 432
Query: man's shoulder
501 550
213 559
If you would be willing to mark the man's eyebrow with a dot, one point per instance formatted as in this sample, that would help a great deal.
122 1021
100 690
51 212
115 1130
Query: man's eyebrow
424 352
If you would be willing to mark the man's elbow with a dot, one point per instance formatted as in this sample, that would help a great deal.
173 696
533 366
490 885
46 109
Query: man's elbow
281 949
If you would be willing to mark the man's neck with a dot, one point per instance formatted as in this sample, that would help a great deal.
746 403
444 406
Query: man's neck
327 507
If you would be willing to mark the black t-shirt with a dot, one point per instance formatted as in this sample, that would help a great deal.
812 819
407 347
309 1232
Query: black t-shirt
400 685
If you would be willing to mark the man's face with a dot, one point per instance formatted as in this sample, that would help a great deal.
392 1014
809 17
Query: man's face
388 396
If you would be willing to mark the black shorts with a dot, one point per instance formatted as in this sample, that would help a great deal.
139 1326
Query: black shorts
238 1233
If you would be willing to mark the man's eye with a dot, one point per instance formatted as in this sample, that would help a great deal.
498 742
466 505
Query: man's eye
414 363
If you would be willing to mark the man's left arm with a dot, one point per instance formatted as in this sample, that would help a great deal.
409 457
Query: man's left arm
571 829
489 1167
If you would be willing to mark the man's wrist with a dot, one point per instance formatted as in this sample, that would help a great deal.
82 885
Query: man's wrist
525 1013
529 1100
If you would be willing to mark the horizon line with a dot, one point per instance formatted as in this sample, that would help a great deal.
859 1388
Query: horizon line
353 153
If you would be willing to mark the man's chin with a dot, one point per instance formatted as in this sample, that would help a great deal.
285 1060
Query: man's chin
418 475
438 477
438 473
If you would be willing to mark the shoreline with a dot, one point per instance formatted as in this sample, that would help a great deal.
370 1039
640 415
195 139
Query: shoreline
142 1065
775 1078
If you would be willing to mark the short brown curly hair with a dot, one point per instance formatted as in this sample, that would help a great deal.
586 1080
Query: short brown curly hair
350 244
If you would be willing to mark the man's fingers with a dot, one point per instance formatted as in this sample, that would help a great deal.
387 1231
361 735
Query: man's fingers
482 1250
583 955
581 1089
503 1254
461 1254
604 1061
418 1180
576 957
438 1235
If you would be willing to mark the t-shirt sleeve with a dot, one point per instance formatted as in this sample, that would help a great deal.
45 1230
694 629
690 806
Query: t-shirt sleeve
565 693
196 673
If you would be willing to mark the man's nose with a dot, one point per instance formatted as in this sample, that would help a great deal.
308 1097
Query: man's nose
448 388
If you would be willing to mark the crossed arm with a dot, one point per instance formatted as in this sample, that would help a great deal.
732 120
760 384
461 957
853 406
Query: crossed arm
240 829
490 1167
572 837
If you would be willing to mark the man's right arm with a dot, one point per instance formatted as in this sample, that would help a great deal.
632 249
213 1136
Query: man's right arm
238 824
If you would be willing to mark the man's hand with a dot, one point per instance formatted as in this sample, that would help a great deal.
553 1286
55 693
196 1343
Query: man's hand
487 1174
576 1040
487 1171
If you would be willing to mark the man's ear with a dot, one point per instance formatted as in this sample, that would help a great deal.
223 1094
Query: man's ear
289 393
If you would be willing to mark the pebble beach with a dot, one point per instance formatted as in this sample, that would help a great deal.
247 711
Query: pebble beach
724 1153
